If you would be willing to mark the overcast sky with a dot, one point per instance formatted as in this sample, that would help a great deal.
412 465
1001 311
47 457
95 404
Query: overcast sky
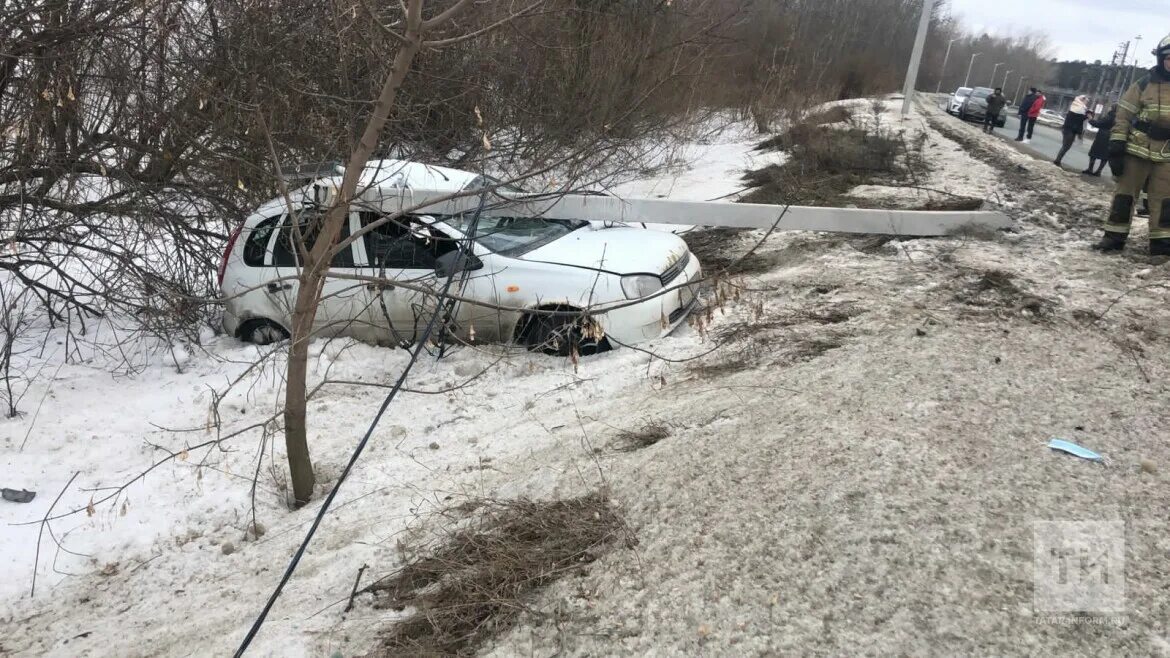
1077 29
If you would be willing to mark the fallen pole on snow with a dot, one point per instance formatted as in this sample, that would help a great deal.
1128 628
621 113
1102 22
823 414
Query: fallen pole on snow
604 208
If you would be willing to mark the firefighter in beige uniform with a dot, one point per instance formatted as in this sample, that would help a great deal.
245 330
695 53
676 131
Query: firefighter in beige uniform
1139 152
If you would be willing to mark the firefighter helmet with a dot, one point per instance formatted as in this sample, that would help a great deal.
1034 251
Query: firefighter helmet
1163 49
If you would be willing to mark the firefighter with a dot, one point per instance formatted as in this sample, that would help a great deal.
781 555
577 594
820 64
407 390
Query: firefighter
1139 154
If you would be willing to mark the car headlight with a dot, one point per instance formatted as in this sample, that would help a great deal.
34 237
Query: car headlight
637 286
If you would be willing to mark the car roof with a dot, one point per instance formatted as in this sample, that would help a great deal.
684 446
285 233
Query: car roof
385 173
960 89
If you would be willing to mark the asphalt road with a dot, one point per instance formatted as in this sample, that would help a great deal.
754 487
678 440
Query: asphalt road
1046 143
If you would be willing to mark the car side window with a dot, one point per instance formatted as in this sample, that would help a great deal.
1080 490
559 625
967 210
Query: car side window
285 253
257 245
404 243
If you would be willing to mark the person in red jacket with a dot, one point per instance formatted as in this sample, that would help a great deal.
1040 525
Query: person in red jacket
1034 113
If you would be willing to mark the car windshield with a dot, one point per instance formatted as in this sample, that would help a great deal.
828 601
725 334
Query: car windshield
514 236
963 91
981 93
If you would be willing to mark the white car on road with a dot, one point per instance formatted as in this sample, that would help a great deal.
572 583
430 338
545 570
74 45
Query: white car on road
607 286
955 104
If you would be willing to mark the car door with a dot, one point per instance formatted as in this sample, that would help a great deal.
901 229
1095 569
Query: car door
406 251
342 306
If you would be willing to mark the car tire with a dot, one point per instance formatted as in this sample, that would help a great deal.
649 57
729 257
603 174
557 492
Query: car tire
558 335
262 332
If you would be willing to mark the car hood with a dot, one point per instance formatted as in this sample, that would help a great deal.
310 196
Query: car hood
623 250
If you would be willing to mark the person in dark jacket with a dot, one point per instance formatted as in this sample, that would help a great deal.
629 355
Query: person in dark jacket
1025 107
1099 152
1074 126
995 103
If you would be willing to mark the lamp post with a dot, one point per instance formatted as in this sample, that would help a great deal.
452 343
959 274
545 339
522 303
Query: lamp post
1005 77
946 58
994 72
1016 98
967 80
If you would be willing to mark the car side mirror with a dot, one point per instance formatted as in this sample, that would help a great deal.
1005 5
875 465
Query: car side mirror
455 261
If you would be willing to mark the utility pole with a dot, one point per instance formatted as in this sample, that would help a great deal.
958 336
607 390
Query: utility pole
994 72
1130 71
1119 76
916 56
967 80
943 72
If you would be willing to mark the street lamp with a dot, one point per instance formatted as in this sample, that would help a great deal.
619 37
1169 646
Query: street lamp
1016 98
1005 77
946 58
995 71
967 80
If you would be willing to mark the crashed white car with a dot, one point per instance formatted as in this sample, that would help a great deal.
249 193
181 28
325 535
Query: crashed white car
609 285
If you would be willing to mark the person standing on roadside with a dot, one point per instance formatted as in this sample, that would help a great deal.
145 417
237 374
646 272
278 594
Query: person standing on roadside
1074 126
1025 107
995 104
1139 155
1099 151
1034 114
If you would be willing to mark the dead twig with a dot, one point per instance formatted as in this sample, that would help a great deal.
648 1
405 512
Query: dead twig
45 521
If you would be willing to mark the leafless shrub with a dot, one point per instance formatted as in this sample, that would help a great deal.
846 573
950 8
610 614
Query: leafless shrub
476 581
17 311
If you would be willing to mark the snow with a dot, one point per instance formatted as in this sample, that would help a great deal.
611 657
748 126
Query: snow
869 482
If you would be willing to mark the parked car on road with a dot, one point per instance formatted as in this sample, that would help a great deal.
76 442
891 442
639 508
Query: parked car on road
613 284
974 107
957 99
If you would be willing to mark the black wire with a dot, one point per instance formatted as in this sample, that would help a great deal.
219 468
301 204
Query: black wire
464 249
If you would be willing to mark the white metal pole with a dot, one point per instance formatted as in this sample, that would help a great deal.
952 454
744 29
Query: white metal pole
1005 77
967 80
943 72
994 72
916 56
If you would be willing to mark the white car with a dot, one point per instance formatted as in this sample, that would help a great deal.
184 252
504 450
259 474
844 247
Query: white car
1050 118
611 285
955 105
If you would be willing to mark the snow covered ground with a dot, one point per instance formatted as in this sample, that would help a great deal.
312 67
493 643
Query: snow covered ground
858 468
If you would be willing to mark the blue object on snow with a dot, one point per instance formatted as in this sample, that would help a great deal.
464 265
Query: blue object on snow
1075 450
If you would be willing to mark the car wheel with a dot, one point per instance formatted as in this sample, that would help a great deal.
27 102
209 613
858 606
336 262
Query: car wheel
263 332
558 335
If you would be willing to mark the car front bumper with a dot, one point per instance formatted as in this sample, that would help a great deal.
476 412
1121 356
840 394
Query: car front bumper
657 316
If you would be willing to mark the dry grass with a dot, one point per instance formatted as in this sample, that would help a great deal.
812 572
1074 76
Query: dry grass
997 291
719 369
473 585
644 437
825 163
722 250
826 315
